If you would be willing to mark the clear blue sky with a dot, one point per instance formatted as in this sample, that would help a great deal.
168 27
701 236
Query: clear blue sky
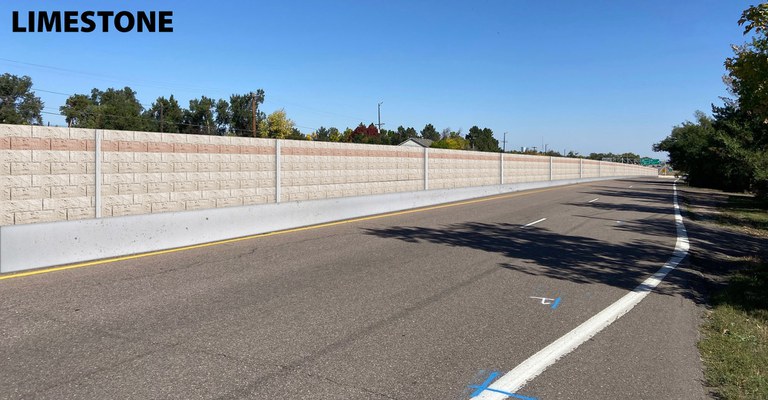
594 76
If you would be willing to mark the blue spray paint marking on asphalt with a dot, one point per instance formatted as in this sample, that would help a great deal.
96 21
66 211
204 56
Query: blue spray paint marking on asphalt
485 387
556 303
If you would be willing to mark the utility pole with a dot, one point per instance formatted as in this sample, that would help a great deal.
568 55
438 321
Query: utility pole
504 147
161 116
380 124
253 110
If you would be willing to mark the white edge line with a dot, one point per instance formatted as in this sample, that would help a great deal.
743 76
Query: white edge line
535 222
515 379
593 200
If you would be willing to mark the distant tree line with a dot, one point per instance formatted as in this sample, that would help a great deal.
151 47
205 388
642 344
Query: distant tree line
729 150
120 109
239 115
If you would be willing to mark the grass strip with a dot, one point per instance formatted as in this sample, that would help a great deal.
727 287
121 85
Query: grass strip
745 211
734 345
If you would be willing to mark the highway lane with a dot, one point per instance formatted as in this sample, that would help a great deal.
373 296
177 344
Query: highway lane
419 305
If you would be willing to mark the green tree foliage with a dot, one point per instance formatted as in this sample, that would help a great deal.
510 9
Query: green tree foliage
709 154
277 126
748 68
334 135
79 111
223 117
165 115
346 135
18 103
199 118
451 140
241 112
110 109
410 132
122 107
429 132
400 135
482 139
386 136
730 149
322 135
297 135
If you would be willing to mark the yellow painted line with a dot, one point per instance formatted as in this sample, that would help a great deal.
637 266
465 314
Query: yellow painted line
261 235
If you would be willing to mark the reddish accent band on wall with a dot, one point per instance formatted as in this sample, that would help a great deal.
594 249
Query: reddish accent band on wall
28 143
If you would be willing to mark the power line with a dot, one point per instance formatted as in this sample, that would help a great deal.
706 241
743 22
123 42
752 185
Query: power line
147 118
146 107
169 85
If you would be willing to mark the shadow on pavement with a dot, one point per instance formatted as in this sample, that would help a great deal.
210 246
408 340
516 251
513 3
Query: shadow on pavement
540 252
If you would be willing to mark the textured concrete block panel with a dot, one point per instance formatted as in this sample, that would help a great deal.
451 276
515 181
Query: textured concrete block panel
51 174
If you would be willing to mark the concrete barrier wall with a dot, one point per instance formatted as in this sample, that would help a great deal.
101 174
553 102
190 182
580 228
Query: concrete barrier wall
30 246
590 168
50 174
323 170
450 169
566 168
520 168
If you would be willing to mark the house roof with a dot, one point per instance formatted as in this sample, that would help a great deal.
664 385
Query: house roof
421 142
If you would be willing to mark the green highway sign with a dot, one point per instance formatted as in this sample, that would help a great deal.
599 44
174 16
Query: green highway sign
650 161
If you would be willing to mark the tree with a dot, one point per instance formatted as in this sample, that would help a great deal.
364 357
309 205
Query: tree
730 150
748 80
18 103
482 139
358 134
711 156
388 137
334 135
110 109
371 130
119 109
322 135
198 119
297 135
372 135
277 125
401 135
79 111
451 140
241 112
429 132
165 115
223 117
748 68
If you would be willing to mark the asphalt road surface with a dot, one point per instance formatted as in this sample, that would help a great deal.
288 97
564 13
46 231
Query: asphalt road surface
420 305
